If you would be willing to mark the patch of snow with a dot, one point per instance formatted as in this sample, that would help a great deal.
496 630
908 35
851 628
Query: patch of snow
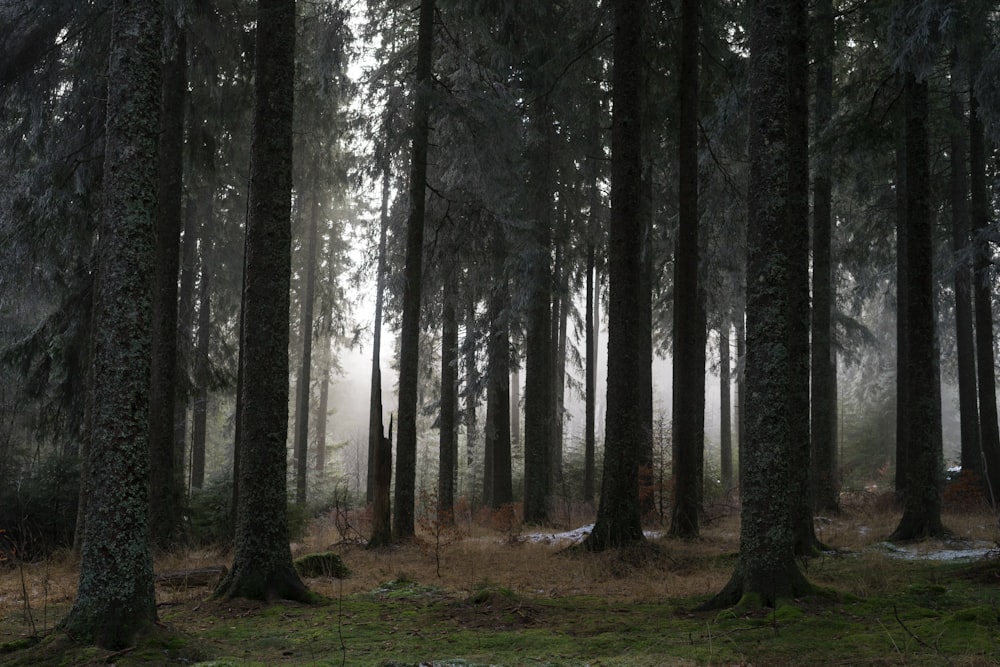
572 536
967 551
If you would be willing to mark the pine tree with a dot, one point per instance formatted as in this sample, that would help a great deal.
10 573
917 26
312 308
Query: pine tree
115 601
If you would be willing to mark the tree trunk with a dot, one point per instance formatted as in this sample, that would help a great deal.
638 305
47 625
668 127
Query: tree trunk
921 498
262 565
618 522
825 492
199 428
497 482
903 405
983 293
765 569
115 600
689 312
725 402
375 406
644 381
301 446
381 525
166 480
797 277
449 404
197 208
960 237
409 338
323 408
538 427
471 397
590 397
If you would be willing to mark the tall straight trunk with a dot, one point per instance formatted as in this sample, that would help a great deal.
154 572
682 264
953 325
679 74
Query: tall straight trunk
766 569
262 563
689 312
497 478
301 445
560 312
590 390
199 427
323 407
409 337
618 521
983 293
471 396
825 492
741 394
166 479
725 403
797 277
644 380
965 344
115 601
921 498
197 207
538 427
375 431
449 403
515 404
903 406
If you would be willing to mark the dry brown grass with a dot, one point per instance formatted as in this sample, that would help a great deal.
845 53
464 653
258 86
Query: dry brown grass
476 555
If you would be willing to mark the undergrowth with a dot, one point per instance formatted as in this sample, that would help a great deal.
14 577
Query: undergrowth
477 590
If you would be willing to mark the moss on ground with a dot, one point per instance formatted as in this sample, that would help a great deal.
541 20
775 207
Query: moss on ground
917 613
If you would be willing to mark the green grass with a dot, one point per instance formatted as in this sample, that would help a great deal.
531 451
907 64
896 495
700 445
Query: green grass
931 614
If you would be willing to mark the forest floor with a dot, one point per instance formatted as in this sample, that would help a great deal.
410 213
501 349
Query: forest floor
479 595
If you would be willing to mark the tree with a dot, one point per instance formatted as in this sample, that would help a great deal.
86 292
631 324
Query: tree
922 483
725 403
301 445
765 569
960 239
262 565
825 495
449 404
689 311
409 337
982 285
497 484
115 601
166 481
618 522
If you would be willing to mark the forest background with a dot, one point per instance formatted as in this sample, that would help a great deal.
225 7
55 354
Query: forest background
467 170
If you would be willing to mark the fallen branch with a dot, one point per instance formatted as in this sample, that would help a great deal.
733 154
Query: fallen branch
202 576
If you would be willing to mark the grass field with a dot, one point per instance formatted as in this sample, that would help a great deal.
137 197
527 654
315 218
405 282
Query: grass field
490 593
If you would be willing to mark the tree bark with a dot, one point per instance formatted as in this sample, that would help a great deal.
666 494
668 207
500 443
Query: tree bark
825 492
618 522
262 565
766 570
983 293
199 426
409 339
538 427
497 478
797 276
115 600
725 402
166 479
590 397
449 404
375 406
301 445
903 405
922 492
689 312
965 344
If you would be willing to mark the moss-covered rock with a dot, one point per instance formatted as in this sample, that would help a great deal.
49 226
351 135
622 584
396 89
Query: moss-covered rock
325 564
